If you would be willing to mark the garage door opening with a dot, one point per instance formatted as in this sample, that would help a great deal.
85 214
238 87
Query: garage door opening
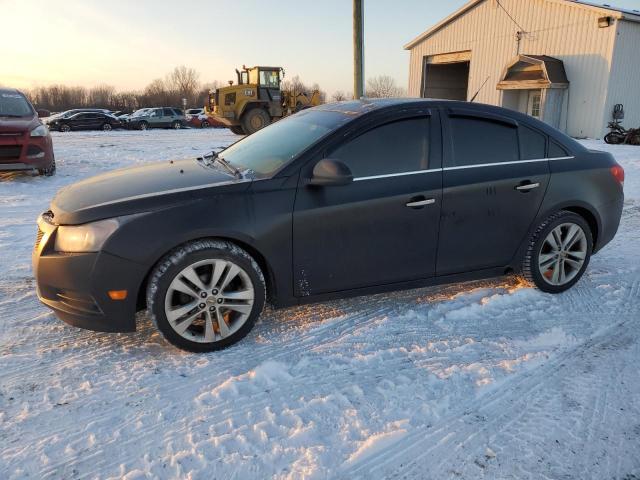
448 81
446 76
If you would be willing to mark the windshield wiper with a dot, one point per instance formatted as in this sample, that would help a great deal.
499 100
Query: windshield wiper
213 157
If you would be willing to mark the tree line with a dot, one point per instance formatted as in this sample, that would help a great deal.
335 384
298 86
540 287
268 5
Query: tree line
182 82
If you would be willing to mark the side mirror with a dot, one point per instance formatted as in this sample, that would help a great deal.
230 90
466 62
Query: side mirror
43 113
329 172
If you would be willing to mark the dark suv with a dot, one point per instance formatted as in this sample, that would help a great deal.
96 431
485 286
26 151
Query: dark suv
25 143
343 199
165 117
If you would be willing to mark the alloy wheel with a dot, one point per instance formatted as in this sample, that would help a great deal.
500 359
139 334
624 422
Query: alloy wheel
563 254
209 300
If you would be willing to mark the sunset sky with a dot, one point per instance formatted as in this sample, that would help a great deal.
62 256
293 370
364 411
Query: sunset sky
128 43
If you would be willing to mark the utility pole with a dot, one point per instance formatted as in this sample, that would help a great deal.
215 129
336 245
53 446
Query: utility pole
358 50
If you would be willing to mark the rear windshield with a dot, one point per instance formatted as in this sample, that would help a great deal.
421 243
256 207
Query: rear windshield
14 105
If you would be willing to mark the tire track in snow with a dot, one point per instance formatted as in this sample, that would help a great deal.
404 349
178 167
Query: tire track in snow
456 447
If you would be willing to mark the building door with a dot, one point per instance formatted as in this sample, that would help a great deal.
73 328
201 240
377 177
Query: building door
534 104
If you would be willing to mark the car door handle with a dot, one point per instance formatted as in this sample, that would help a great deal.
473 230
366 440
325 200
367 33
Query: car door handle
527 186
421 203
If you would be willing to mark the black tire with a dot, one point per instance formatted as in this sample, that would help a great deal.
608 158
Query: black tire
143 126
48 171
237 129
176 125
204 124
65 128
254 120
107 127
614 138
530 267
169 267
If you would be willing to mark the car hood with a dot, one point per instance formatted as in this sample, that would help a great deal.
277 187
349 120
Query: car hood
22 124
140 189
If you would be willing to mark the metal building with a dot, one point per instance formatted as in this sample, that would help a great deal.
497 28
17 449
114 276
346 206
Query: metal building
567 62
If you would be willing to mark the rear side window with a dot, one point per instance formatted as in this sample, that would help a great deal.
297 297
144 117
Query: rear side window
556 151
533 144
396 147
477 141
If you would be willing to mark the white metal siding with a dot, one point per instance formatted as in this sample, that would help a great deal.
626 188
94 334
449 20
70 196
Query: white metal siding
556 29
624 86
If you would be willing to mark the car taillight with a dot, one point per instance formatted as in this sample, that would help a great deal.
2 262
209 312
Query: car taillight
618 173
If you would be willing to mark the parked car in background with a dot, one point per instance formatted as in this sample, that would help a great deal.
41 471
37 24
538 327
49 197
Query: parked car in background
25 143
197 118
165 117
86 121
344 199
70 113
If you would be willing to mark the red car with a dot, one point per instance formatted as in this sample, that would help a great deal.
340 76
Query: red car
197 118
25 143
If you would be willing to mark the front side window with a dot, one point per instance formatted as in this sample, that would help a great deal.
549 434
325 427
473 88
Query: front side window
268 150
477 141
14 105
269 78
397 147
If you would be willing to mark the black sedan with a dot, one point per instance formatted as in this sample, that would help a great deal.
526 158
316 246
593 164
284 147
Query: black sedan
344 199
86 121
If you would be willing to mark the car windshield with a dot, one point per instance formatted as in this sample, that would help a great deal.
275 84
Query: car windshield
268 150
137 113
14 105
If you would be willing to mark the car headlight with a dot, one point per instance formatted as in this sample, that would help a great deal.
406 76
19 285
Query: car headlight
40 131
85 238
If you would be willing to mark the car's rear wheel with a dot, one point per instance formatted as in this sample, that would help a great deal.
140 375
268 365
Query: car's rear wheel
176 125
206 295
559 252
65 128
143 125
107 127
204 124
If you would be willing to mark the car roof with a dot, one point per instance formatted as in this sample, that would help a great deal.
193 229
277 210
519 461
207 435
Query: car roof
10 90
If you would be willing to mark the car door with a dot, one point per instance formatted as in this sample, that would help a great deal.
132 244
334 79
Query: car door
78 121
95 121
494 179
383 227
156 118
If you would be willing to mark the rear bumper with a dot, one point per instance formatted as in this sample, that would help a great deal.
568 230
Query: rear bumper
23 152
75 285
610 215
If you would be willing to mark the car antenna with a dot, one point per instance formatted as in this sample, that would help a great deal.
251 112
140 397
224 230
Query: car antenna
479 90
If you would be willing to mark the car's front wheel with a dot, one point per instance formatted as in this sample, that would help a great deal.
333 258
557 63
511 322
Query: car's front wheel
177 125
107 127
143 125
206 295
559 252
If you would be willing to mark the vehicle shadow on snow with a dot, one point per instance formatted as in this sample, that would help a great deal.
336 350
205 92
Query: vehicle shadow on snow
299 320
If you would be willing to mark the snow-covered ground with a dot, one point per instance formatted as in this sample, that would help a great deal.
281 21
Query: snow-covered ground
488 379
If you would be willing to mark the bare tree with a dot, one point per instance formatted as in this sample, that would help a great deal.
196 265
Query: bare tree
338 96
101 96
383 86
184 82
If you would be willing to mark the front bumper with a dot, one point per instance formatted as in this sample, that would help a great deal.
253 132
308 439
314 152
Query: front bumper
75 285
20 151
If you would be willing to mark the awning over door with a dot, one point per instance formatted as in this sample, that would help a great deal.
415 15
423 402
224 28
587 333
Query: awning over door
527 72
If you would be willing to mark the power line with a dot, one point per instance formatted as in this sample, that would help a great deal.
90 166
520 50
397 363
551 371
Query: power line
509 15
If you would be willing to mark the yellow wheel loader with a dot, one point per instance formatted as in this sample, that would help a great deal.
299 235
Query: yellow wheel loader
257 100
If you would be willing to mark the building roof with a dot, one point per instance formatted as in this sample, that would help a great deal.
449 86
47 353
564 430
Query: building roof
620 13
